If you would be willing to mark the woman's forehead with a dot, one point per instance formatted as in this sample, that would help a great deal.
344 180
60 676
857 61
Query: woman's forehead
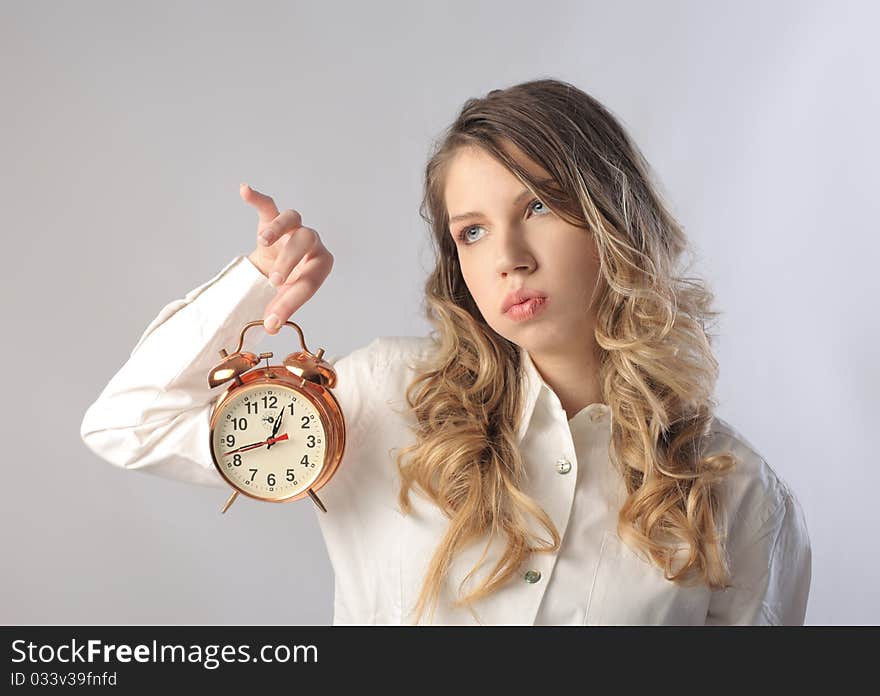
470 166
473 151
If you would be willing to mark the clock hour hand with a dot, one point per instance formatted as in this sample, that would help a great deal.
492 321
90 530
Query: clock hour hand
277 425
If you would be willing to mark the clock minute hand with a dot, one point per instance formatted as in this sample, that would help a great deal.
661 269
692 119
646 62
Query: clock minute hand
245 447
271 441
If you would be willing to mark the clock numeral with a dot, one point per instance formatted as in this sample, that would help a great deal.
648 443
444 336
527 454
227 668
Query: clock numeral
291 407
230 440
236 460
270 401
305 462
253 473
311 440
239 423
305 420
291 476
254 404
270 479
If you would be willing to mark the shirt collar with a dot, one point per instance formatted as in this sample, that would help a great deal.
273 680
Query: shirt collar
534 386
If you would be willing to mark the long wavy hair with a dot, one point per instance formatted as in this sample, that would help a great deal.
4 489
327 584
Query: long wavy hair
657 371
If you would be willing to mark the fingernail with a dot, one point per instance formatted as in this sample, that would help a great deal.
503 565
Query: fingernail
275 278
243 184
271 322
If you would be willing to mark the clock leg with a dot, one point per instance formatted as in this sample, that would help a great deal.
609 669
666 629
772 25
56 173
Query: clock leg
317 500
229 501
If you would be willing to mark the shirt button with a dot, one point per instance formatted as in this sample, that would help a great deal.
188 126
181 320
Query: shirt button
563 466
533 576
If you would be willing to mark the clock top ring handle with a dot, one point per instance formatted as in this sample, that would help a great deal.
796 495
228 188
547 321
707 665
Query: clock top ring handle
251 324
304 364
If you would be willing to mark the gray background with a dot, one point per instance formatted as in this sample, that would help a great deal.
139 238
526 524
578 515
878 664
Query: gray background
127 127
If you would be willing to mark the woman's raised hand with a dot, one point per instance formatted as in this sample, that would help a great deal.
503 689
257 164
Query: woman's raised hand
290 255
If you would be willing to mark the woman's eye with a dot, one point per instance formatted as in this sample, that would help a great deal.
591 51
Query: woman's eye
462 236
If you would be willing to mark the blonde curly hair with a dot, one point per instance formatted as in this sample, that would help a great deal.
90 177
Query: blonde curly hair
657 371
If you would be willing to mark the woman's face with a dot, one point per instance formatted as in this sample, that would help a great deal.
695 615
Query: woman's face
515 242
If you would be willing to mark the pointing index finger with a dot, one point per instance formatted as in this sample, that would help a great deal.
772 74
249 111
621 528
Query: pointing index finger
267 211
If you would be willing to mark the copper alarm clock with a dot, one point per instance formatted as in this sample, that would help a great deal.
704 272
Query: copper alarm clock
277 432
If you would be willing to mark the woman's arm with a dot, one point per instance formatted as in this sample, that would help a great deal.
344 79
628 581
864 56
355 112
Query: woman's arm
771 572
154 414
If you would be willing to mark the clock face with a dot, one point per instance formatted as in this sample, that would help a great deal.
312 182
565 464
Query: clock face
269 458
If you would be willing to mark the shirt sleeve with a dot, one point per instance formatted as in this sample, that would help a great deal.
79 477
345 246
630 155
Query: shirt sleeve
771 573
154 414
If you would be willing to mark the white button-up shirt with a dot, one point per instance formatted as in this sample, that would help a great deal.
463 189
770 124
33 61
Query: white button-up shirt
154 416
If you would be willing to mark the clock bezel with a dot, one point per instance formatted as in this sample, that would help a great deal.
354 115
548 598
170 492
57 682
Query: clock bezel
321 398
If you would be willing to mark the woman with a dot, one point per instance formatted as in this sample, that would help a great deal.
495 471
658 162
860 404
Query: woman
556 429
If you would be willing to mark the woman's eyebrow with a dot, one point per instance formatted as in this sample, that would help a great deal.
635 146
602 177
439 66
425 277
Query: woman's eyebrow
522 194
